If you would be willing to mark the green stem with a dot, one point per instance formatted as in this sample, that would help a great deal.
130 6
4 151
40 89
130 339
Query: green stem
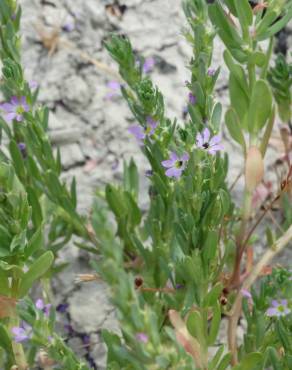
251 76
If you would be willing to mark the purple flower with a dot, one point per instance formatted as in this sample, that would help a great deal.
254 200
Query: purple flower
141 133
142 337
205 142
62 307
192 99
175 164
45 308
33 84
211 72
246 293
114 89
278 308
22 333
148 65
22 148
69 26
15 108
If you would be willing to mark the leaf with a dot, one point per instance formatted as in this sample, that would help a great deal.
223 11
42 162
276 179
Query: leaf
276 27
210 246
239 100
17 159
215 325
250 362
244 13
36 270
5 343
189 343
224 362
213 295
36 242
216 116
260 106
234 129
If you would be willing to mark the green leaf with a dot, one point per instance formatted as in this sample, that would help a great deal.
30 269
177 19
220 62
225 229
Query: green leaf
224 362
239 100
216 358
210 246
17 159
260 106
263 33
5 343
195 326
36 270
234 129
215 325
213 295
216 116
250 362
116 201
36 242
227 31
37 216
244 13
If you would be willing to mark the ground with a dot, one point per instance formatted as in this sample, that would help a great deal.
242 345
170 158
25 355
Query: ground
63 51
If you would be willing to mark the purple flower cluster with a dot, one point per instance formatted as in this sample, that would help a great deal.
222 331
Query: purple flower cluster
45 308
15 108
22 333
141 133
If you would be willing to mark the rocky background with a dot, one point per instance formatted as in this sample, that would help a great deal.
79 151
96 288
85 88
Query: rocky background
63 52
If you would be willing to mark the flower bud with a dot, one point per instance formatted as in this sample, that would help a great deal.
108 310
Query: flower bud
254 168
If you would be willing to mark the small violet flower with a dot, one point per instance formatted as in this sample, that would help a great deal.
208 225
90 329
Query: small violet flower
142 337
175 164
33 85
45 308
22 148
69 26
211 72
21 333
114 89
192 99
246 293
278 308
141 133
62 307
15 108
211 145
148 65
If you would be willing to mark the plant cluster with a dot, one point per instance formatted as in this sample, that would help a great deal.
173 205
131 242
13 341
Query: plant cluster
184 265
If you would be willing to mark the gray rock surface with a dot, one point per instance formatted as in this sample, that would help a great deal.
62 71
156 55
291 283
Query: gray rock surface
92 130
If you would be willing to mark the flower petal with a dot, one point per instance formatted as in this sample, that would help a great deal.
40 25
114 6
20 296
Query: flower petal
200 140
14 100
215 140
174 172
10 116
39 304
206 135
185 157
168 163
137 131
7 107
272 311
